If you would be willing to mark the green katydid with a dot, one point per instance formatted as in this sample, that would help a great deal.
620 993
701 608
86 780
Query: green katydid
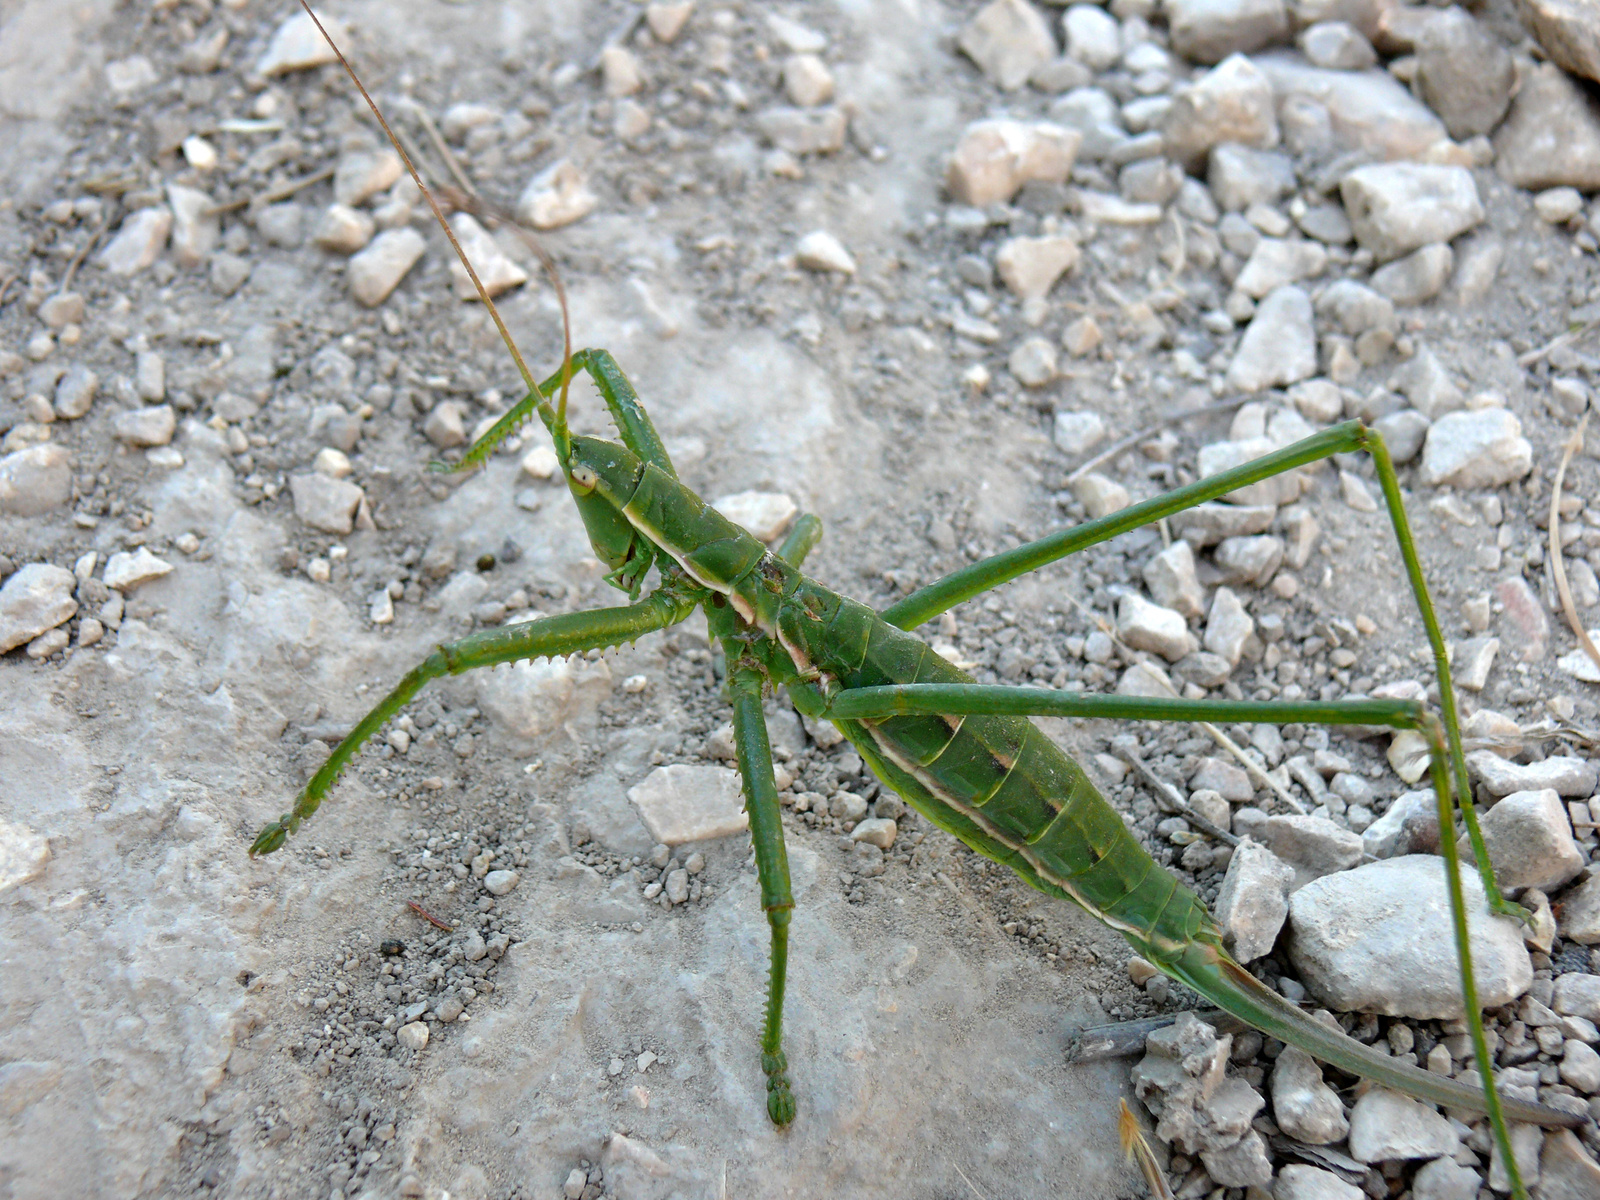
963 755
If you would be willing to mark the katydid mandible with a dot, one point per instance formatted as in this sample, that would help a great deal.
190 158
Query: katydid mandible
963 755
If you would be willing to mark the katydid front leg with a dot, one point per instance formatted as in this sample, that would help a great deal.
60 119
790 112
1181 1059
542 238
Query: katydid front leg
546 637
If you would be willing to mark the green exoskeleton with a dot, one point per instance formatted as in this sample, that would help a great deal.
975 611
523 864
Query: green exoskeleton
963 755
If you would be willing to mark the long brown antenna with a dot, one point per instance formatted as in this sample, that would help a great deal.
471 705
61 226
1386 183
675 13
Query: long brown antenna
483 293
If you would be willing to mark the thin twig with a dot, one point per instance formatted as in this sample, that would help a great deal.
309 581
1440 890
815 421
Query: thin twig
77 259
1572 445
429 917
1175 801
976 1189
1555 343
1134 439
272 195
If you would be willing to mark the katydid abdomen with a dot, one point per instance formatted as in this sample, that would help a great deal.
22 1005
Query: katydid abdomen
996 782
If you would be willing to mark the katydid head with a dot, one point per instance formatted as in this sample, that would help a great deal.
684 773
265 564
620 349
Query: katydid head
602 477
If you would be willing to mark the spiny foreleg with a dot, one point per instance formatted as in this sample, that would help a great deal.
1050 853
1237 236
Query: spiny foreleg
546 637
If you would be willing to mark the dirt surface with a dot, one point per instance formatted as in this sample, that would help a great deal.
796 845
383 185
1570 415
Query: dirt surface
178 1020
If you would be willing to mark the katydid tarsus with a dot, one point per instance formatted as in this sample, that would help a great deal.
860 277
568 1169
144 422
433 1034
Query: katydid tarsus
964 755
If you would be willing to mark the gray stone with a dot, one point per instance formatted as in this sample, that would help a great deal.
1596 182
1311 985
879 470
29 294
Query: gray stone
138 242
1425 382
496 270
1580 1066
1444 1179
1099 495
1338 46
1150 181
690 803
127 570
145 426
1354 307
1313 846
1093 36
875 831
560 194
1147 626
1385 1125
75 392
282 224
446 425
35 480
994 159
1205 669
196 226
1229 627
1472 660
1208 31
1578 917
1529 838
1232 102
1569 32
343 230
1476 449
325 503
1398 207
1327 223
1094 115
1298 1181
1172 580
377 270
1280 345
1526 1141
362 174
1244 1164
1417 277
1275 262
500 883
1464 73
800 131
1232 783
297 45
1403 432
1031 266
1377 939
1253 560
1032 362
1079 432
1209 523
1009 40
1564 773
1552 137
1303 1105
1367 111
1240 176
33 600
1253 902
1577 994
1566 1171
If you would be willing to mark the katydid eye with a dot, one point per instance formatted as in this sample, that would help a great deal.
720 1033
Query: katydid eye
584 478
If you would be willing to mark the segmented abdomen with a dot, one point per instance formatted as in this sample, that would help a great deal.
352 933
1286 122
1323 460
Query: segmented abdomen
1006 789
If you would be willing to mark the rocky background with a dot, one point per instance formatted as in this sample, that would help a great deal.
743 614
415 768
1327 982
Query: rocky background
948 275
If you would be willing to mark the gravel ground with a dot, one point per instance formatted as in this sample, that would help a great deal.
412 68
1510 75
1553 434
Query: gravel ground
476 972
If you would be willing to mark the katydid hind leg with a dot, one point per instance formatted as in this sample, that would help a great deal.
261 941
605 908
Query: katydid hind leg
754 752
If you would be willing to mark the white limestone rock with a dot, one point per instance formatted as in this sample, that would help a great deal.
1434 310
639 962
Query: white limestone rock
1377 939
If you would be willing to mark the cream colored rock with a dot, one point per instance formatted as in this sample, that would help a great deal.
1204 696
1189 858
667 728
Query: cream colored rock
494 267
994 158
